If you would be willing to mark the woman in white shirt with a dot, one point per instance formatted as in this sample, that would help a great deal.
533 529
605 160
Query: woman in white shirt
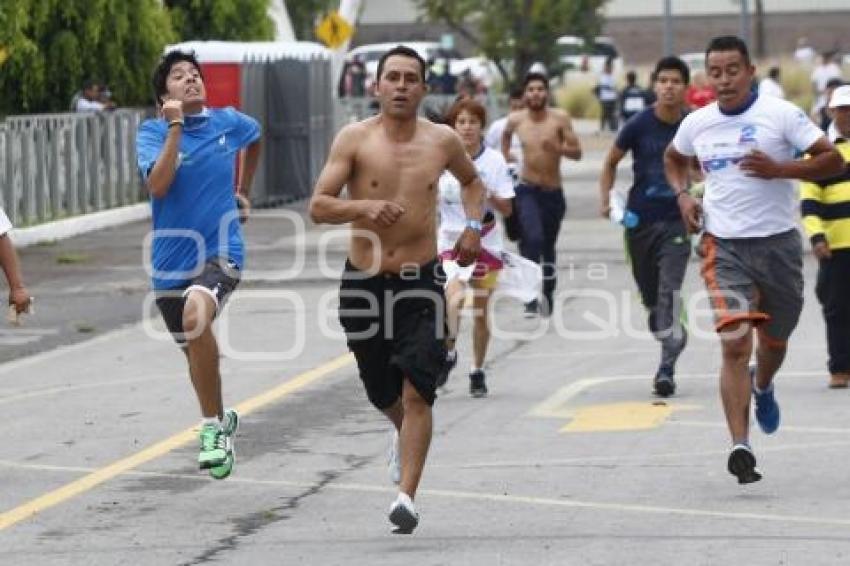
468 117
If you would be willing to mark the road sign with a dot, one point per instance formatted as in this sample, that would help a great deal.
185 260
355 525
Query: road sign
334 30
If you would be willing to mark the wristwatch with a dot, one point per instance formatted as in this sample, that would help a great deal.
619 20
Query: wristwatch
474 224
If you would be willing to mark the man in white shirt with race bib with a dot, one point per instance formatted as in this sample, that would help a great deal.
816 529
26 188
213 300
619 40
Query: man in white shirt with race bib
752 252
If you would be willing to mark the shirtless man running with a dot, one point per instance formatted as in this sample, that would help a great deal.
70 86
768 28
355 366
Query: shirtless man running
391 296
546 135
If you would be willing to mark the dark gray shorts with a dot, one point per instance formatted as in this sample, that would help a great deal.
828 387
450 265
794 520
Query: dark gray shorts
755 279
218 279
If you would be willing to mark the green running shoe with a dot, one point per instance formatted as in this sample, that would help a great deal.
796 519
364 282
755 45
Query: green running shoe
213 451
222 471
229 424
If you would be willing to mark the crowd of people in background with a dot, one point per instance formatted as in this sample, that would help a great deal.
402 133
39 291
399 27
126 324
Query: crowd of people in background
356 82
633 98
616 104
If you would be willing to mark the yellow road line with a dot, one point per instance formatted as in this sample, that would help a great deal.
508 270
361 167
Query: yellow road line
101 475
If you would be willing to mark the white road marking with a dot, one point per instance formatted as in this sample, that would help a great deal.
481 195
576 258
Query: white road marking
493 497
555 406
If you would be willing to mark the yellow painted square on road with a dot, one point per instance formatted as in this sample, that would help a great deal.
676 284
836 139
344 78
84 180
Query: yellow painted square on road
620 416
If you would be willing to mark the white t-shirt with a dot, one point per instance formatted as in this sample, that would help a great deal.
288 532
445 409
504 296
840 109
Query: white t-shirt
85 105
822 73
493 171
607 88
5 223
493 140
820 76
805 54
735 205
770 87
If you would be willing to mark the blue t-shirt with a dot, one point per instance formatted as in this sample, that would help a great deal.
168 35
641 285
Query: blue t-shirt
197 219
650 197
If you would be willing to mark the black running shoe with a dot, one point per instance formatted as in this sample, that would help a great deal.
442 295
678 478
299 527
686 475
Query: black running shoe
477 386
742 464
664 383
403 515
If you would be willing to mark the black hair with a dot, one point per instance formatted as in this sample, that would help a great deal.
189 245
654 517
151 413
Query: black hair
729 43
672 63
773 73
834 82
516 92
91 83
631 77
160 74
530 77
404 52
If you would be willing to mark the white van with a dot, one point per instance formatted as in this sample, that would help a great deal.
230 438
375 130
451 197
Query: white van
573 53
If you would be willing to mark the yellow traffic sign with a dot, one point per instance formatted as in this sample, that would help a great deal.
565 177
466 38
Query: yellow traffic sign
334 30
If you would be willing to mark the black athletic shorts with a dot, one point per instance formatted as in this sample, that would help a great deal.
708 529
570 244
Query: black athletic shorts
219 278
395 325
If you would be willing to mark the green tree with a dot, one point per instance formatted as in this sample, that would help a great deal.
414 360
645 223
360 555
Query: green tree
226 20
51 47
517 31
22 70
304 13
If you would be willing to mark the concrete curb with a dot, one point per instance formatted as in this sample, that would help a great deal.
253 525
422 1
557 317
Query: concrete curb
69 227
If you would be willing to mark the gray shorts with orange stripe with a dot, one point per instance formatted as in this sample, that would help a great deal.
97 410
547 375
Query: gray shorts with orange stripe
755 279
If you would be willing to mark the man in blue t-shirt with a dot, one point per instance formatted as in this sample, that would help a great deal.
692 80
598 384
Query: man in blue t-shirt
633 99
187 158
658 246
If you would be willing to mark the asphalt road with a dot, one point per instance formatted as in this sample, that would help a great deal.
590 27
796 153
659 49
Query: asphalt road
570 460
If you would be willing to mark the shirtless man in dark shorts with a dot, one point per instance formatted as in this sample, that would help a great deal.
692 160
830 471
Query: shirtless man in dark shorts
391 296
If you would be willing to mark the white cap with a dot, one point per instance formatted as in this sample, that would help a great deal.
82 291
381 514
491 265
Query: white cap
840 97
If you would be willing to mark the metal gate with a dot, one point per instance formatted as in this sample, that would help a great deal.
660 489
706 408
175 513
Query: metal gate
293 99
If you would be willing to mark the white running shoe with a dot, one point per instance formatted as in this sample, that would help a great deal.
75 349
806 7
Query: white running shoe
403 515
394 459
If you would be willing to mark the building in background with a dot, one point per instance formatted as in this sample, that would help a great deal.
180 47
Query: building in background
637 26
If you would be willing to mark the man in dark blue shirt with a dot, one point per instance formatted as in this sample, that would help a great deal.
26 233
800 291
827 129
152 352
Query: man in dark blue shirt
187 157
658 246
633 99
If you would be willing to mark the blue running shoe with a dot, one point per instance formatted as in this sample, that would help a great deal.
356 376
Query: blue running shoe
767 409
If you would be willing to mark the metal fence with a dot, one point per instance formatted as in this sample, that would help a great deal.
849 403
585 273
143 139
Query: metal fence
58 165
293 100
